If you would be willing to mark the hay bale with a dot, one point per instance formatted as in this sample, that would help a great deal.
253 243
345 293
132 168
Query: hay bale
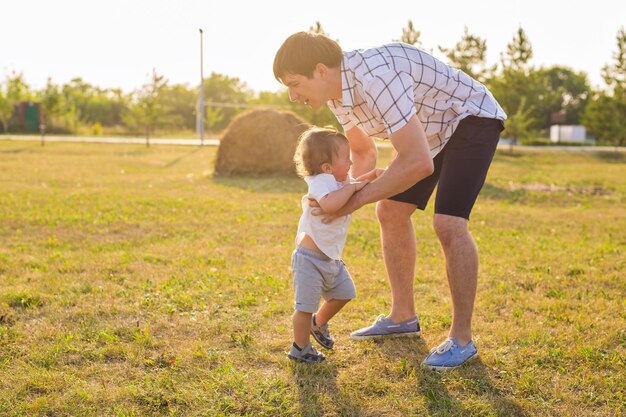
260 142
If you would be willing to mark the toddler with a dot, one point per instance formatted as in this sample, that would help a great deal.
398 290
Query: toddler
323 160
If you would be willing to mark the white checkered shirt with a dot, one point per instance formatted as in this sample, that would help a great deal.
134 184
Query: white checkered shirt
383 87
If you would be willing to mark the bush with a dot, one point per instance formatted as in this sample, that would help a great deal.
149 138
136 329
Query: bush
566 143
548 142
536 142
96 129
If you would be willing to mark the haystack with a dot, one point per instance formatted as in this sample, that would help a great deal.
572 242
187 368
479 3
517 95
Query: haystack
260 142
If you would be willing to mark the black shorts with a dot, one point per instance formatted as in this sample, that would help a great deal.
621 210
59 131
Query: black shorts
460 168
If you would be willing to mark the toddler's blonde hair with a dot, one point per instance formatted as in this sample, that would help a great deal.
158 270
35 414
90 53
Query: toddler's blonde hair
316 146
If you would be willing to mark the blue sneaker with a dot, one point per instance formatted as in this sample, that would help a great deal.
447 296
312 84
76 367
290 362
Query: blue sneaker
450 355
384 327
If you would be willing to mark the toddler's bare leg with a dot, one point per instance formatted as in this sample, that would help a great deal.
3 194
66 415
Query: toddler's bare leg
328 310
301 328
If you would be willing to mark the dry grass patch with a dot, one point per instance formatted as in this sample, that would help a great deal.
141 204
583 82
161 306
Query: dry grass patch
136 283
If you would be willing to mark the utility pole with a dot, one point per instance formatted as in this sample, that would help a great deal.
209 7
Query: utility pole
201 104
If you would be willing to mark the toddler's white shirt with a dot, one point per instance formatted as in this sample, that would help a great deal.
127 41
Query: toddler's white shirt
331 237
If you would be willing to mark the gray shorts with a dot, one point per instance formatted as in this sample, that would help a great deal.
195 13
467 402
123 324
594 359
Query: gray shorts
315 275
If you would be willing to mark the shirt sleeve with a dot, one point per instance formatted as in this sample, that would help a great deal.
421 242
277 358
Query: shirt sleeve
342 116
321 185
390 97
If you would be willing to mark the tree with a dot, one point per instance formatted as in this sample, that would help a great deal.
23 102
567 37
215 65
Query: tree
614 75
469 55
605 115
410 35
75 98
517 85
179 100
518 52
51 103
78 103
75 95
512 87
317 28
148 106
103 106
519 124
545 90
560 89
6 110
214 116
222 94
15 90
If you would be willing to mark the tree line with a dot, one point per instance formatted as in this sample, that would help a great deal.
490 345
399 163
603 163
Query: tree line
533 97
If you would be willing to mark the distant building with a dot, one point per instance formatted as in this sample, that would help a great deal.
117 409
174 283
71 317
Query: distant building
568 133
27 116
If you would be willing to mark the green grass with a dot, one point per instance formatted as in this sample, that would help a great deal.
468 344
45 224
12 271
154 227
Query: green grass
133 282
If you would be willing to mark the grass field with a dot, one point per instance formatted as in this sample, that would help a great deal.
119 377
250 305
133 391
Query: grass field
133 283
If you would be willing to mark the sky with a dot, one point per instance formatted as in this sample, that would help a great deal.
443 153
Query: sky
117 43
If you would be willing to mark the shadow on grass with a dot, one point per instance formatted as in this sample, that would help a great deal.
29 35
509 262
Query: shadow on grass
431 385
263 184
319 381
477 380
16 150
609 156
496 193
181 157
513 153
